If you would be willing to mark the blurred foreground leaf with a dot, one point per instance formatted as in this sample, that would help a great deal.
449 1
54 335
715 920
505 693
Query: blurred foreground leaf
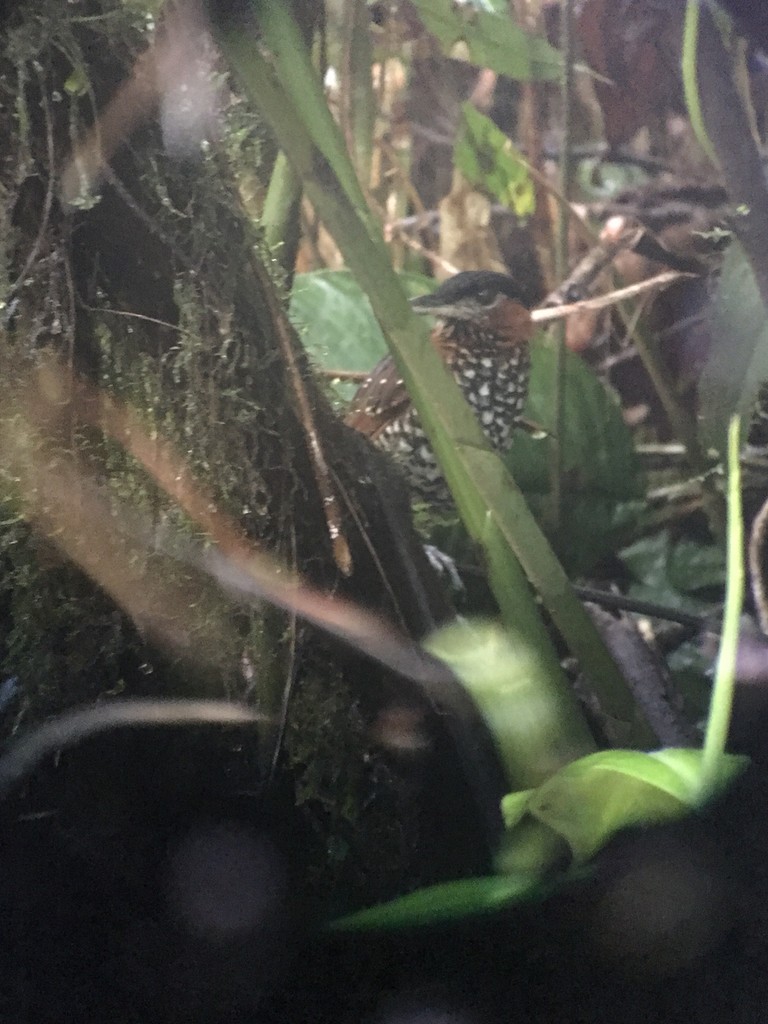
525 717
449 901
590 800
586 802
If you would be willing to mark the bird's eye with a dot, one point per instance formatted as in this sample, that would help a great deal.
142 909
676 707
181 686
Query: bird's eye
487 296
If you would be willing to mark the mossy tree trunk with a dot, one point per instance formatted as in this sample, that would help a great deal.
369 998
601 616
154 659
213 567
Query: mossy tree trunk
148 290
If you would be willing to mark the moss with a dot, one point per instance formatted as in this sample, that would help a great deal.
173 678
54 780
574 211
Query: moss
148 293
64 640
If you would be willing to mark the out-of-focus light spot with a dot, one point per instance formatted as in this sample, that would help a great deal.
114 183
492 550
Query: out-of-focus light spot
226 883
663 913
401 730
413 1009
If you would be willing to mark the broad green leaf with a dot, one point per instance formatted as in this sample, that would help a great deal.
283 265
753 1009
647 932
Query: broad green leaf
492 40
487 158
674 572
448 901
596 524
77 83
738 363
599 462
591 799
336 322
692 566
598 453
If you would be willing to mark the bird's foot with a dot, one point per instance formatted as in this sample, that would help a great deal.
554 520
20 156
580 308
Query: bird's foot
444 565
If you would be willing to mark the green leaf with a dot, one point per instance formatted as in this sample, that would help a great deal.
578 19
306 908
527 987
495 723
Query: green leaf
336 322
674 572
692 566
492 40
686 763
487 158
448 901
738 363
599 462
595 526
590 800
77 83
598 453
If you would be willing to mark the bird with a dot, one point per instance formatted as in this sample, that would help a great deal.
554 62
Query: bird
482 329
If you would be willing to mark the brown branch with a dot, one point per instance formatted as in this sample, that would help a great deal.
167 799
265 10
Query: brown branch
544 314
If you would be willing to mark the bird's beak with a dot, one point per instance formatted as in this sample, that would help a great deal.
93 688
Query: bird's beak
421 304
425 305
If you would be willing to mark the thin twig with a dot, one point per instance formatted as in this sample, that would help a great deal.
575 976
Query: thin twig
542 315
591 266
622 603
329 500
434 258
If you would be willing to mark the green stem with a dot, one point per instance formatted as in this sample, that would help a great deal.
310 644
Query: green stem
358 106
721 702
279 218
561 258
691 80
